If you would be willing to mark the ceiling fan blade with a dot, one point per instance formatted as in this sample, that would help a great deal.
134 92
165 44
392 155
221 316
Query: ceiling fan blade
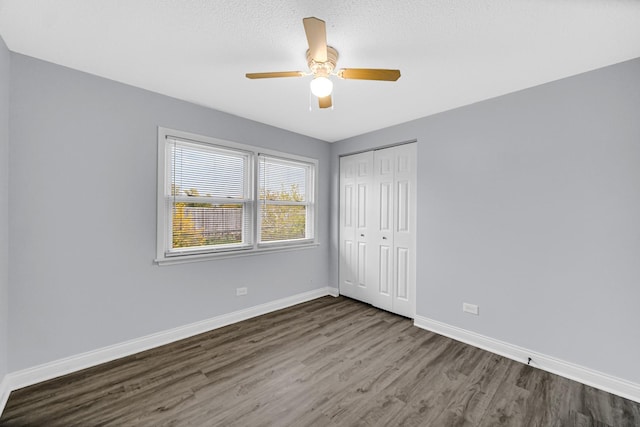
317 37
325 101
369 74
276 74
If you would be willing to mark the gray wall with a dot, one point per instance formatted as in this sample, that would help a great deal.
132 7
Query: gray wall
4 205
83 217
529 206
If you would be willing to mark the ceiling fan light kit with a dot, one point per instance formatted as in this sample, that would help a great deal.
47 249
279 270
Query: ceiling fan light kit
321 86
321 60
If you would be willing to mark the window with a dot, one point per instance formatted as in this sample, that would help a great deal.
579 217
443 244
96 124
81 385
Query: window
209 197
217 197
286 211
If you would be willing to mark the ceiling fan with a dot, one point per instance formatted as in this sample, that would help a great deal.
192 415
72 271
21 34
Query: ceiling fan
322 60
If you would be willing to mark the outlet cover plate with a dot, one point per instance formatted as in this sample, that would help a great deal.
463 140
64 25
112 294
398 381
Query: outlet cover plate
470 308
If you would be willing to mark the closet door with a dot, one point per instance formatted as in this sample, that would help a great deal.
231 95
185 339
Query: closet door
382 233
378 228
404 230
356 174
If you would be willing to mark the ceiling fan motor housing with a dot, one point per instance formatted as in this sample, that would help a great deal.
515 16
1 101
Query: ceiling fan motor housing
323 69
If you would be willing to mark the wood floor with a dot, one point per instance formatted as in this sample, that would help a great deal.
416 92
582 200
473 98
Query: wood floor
328 362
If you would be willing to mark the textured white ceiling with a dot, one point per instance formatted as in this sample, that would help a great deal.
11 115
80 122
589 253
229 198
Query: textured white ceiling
451 52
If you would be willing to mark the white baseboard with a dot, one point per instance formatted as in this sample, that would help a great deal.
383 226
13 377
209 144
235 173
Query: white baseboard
5 390
334 292
47 371
587 376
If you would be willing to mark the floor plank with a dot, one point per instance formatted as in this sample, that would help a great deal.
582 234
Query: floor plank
329 362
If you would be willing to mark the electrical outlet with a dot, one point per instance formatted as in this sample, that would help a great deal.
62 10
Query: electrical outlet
241 291
470 308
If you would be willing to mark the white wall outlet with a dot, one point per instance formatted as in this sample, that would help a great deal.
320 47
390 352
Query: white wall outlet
241 291
470 308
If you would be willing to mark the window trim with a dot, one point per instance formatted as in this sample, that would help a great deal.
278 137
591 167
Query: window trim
163 237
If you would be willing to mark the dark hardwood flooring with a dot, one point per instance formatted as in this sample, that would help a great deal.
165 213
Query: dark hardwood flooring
328 362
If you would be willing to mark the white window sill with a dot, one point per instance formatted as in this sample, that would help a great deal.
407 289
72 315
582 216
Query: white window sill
183 259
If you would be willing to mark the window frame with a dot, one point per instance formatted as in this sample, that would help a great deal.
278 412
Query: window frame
246 200
310 225
164 255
